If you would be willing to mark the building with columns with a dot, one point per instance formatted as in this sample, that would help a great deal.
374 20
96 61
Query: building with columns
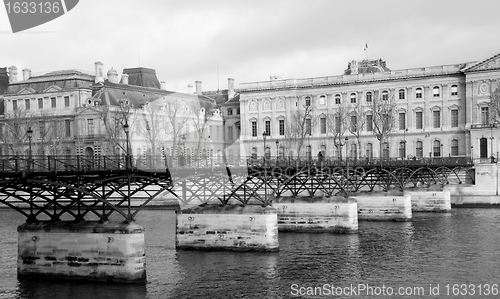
438 111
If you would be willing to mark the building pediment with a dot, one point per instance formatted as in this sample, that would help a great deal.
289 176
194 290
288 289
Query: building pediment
52 88
492 63
27 90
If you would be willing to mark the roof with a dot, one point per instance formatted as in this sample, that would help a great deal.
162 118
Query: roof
112 93
141 76
366 67
222 96
490 63
65 79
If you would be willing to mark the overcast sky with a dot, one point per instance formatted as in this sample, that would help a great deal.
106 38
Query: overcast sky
250 40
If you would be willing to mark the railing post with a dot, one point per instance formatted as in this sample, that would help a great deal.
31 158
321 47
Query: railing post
78 163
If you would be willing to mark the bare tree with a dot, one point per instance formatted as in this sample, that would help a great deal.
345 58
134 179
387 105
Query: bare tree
114 118
176 117
337 124
384 117
200 121
15 126
494 105
300 127
357 124
150 125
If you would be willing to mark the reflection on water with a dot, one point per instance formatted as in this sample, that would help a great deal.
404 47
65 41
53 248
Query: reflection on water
458 247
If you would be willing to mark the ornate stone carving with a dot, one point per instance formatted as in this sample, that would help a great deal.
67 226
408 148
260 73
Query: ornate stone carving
483 88
488 65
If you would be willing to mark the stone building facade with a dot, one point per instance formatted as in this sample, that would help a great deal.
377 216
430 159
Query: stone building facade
440 111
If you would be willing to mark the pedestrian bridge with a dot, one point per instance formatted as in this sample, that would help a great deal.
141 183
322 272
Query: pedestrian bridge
53 188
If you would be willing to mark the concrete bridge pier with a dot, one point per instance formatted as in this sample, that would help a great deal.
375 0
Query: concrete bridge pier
432 199
317 214
384 206
227 227
88 250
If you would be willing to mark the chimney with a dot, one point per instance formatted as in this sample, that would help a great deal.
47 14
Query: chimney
230 88
124 79
26 74
190 88
12 74
112 76
198 87
99 76
163 85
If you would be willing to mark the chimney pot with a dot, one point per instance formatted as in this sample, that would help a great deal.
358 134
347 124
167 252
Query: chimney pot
99 75
12 74
198 87
26 74
163 85
124 79
230 88
190 88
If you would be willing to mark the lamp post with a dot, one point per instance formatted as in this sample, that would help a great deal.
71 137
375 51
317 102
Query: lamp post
347 165
183 146
264 135
277 151
29 133
128 162
404 142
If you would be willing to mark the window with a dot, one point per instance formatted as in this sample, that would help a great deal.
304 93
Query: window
53 101
67 125
40 103
401 94
402 121
282 127
419 149
308 126
418 93
454 118
27 104
485 115
90 127
230 133
385 150
436 147
337 124
254 128
308 101
237 110
322 125
402 149
229 111
268 127
353 98
385 95
41 128
454 147
368 97
354 123
337 99
14 105
369 122
308 152
369 151
322 100
454 90
419 122
435 92
436 117
66 101
267 152
1 131
254 152
354 150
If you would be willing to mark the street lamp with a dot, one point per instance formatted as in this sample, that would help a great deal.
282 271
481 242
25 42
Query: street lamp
128 162
347 165
29 133
277 150
404 142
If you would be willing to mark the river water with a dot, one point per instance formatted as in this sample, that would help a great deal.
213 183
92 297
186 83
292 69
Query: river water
441 255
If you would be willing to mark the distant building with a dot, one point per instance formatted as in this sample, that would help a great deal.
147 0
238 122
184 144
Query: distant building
75 113
439 111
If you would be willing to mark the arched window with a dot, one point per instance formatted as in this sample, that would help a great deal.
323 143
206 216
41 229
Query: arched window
418 93
354 151
353 98
322 100
385 150
454 147
435 92
436 148
385 95
369 151
337 99
454 90
308 101
401 94
368 97
402 149
419 149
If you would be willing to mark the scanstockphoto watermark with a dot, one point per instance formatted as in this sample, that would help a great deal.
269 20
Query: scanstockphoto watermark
370 290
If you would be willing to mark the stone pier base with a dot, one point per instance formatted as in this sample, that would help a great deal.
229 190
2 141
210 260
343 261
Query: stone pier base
230 227
109 252
336 214
384 206
430 200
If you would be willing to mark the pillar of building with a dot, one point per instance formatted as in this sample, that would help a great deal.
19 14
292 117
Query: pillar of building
88 250
384 206
302 214
431 199
229 227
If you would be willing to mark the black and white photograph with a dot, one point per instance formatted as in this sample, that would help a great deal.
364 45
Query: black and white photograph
165 149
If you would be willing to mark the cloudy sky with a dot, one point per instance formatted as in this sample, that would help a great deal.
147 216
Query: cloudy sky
250 40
